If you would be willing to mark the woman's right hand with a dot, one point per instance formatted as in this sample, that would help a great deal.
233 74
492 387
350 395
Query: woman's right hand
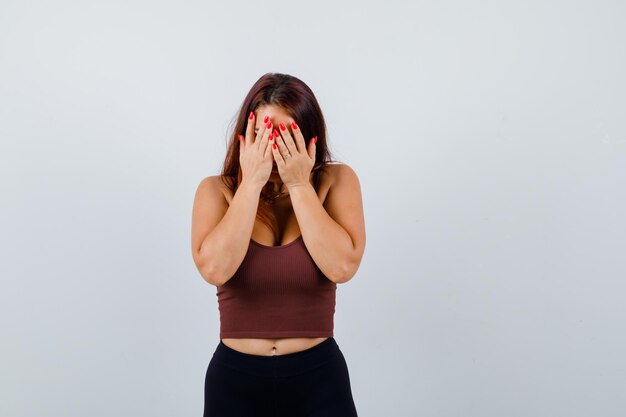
255 154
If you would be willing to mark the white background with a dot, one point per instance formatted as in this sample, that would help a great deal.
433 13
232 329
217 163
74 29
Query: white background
489 140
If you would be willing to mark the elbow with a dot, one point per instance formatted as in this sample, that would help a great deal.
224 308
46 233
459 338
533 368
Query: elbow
344 274
212 275
212 272
347 268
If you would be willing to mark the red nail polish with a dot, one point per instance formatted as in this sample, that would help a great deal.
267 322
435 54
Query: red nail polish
268 125
315 139
274 145
266 119
282 127
251 115
275 133
294 125
240 138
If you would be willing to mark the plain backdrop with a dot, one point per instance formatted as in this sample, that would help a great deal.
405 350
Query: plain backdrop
490 145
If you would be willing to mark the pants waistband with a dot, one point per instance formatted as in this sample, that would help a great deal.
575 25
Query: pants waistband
289 364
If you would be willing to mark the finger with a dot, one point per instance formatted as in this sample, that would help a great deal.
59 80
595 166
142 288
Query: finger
267 134
312 147
281 146
268 148
259 130
298 139
288 141
277 155
250 128
242 142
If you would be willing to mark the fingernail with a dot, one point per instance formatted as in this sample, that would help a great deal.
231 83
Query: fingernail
275 133
268 125
315 139
274 145
266 119
294 125
240 138
282 127
251 115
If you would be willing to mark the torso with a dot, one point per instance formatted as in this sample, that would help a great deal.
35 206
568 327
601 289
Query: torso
289 231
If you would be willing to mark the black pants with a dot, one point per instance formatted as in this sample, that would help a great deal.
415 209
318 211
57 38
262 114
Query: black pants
310 383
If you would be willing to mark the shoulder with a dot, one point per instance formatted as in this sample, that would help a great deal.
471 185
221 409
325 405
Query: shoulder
210 182
212 186
333 177
340 174
344 190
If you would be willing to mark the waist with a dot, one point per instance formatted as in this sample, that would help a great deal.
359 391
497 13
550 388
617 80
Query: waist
287 364
271 346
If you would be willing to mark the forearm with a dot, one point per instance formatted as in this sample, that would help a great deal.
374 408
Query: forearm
225 247
328 243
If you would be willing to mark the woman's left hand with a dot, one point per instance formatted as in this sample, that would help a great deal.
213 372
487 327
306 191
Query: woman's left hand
294 160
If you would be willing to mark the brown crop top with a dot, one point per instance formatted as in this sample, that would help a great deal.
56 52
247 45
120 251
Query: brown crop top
277 291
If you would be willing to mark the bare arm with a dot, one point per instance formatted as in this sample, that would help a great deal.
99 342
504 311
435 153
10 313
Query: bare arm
334 234
221 233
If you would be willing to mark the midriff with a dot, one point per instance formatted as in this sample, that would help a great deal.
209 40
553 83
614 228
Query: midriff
278 346
269 347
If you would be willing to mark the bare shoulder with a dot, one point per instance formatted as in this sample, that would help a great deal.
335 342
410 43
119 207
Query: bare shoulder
341 170
335 172
341 175
213 186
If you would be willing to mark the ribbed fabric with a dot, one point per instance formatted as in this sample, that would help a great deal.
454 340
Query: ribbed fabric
277 291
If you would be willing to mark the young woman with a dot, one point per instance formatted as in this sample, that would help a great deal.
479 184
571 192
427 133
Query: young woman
275 233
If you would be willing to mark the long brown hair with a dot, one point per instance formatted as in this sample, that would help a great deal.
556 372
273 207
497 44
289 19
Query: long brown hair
297 100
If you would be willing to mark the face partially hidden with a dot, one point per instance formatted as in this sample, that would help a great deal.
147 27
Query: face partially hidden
277 116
